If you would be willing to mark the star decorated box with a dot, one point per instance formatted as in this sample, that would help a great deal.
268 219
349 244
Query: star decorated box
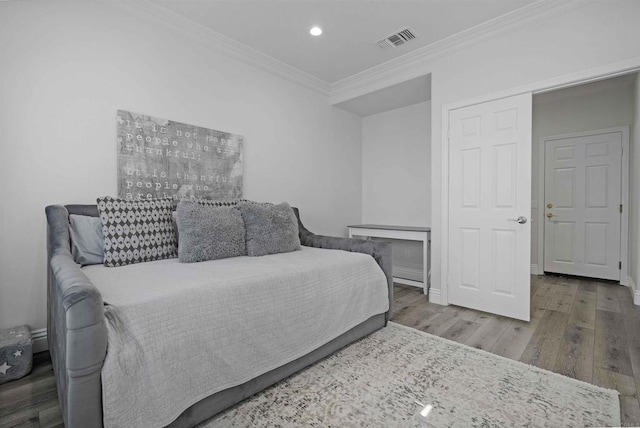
16 354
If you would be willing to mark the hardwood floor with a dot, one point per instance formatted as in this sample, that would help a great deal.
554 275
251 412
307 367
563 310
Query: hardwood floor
583 329
33 400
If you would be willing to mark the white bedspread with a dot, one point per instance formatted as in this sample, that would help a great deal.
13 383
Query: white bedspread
181 332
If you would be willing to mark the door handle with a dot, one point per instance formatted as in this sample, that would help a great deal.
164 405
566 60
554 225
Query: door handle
549 215
521 219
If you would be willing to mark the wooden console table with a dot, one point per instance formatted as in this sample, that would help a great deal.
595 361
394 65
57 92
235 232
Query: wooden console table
409 233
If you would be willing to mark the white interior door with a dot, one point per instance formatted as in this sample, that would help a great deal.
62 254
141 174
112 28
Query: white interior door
582 205
489 206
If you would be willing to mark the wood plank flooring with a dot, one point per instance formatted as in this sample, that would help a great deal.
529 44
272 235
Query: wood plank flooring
584 329
33 400
587 330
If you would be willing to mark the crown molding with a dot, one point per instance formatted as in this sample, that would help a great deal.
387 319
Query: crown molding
417 63
155 14
408 66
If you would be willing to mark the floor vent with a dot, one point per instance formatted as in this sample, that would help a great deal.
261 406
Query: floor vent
397 39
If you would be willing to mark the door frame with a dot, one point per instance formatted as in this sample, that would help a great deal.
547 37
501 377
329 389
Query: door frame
624 194
564 81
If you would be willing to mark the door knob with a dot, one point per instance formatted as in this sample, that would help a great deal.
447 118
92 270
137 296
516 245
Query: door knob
549 205
521 219
549 215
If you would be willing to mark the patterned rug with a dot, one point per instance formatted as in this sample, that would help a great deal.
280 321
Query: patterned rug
402 377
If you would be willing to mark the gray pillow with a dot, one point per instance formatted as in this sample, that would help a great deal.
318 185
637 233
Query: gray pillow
209 233
87 241
271 229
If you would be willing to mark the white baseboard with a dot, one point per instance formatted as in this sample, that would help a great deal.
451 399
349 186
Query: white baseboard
536 269
435 296
625 280
634 291
39 340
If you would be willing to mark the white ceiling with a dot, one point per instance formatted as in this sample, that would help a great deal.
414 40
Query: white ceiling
280 28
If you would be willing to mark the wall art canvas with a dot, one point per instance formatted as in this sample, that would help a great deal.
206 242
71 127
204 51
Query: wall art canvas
161 158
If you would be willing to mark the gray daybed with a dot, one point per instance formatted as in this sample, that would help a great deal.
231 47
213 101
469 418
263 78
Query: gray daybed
78 330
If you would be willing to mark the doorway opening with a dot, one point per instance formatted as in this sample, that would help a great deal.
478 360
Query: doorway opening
581 179
462 141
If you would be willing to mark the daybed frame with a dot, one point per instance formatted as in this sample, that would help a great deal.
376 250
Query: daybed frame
77 333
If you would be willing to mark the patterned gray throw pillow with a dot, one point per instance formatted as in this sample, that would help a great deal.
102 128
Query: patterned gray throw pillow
136 231
209 232
271 229
215 202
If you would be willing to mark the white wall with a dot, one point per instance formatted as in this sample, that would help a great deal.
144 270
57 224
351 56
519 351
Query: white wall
592 35
634 191
395 166
599 105
395 177
67 66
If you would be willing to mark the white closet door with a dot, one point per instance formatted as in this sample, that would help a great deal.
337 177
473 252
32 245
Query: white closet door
489 206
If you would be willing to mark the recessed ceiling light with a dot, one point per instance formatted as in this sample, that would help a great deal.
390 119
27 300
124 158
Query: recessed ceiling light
315 31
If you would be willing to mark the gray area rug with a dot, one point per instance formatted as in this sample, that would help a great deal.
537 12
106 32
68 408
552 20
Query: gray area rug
379 381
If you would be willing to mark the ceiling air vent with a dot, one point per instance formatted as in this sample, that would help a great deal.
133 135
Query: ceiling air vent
396 39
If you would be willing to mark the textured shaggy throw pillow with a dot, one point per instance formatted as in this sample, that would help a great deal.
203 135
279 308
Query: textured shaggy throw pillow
136 231
207 203
271 229
209 232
